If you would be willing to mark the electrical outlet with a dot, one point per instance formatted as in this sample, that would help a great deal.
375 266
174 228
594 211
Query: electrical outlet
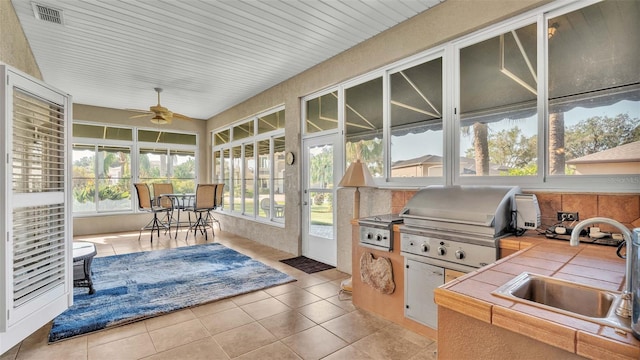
567 216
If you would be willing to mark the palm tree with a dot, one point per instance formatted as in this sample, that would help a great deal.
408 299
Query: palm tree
481 147
556 143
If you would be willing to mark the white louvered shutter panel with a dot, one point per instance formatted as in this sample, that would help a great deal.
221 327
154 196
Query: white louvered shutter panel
37 222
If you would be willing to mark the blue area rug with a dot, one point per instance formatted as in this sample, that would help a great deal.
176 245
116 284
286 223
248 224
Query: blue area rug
137 286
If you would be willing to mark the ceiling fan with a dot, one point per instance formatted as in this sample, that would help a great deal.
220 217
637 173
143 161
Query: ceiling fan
161 115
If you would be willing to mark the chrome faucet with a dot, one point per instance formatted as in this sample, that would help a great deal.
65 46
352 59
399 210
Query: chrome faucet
624 309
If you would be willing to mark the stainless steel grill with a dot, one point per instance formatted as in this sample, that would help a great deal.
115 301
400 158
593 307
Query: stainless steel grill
449 230
377 231
460 225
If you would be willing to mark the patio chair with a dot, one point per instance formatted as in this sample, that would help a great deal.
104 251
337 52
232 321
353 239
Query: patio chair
265 205
204 203
277 208
219 202
161 189
147 204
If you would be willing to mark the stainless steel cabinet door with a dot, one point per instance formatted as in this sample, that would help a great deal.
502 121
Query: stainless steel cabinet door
420 281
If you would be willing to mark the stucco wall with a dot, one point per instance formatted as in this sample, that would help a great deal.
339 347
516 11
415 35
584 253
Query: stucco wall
446 21
14 47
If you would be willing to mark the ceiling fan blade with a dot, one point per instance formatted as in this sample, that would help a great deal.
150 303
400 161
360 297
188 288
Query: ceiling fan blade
182 117
137 110
141 115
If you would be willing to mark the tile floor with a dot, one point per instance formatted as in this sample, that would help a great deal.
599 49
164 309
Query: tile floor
306 319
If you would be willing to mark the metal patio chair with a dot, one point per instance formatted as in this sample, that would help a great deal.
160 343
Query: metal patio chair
155 206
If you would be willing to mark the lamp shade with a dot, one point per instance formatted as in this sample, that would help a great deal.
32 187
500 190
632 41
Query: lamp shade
357 175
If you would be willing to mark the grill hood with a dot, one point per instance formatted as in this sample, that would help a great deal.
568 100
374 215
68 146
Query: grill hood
477 210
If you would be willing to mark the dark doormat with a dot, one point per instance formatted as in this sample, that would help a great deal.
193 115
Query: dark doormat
307 265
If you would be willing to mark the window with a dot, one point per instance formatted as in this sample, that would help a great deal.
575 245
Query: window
363 124
594 90
322 113
158 165
270 122
252 166
498 105
101 178
416 121
103 174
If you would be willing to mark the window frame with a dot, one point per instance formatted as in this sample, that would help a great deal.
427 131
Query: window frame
219 174
450 52
134 147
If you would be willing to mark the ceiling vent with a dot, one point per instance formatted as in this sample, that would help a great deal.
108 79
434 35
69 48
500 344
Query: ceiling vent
47 13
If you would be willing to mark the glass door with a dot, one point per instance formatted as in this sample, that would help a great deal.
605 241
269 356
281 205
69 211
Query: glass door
318 239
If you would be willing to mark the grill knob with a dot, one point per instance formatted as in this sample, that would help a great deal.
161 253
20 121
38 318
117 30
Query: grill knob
425 247
369 236
441 250
378 237
460 254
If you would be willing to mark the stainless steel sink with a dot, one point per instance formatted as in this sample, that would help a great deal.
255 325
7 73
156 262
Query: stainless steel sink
570 298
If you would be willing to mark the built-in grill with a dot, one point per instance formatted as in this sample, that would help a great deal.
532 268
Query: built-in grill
458 224
448 231
377 231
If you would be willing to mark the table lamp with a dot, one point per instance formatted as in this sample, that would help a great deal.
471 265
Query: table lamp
357 176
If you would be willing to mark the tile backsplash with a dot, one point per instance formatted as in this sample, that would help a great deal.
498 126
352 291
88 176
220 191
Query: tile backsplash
624 208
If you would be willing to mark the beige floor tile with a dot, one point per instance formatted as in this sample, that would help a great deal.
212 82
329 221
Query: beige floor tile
282 289
342 300
324 290
298 298
117 333
250 297
68 349
286 324
273 351
314 343
331 274
173 318
305 280
11 353
321 311
204 349
133 347
398 331
380 345
36 347
244 339
213 307
348 353
428 353
265 308
355 325
178 334
225 320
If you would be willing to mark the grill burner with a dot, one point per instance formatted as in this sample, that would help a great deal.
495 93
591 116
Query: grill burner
377 231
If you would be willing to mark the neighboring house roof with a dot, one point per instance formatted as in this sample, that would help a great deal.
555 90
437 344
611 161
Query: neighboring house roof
624 153
426 159
468 164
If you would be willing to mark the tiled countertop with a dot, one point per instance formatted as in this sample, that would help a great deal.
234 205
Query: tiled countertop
593 265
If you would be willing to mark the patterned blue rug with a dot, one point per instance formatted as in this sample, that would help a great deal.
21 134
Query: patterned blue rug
137 286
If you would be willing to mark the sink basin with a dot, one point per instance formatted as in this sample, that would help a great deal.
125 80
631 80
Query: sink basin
567 297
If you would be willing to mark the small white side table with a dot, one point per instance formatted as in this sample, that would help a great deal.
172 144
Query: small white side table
83 253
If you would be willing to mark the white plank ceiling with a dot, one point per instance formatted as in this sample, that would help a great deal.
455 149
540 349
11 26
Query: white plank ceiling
207 55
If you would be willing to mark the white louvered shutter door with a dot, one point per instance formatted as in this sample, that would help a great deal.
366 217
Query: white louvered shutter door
37 251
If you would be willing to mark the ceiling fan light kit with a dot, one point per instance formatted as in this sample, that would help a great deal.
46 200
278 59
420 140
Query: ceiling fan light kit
158 119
